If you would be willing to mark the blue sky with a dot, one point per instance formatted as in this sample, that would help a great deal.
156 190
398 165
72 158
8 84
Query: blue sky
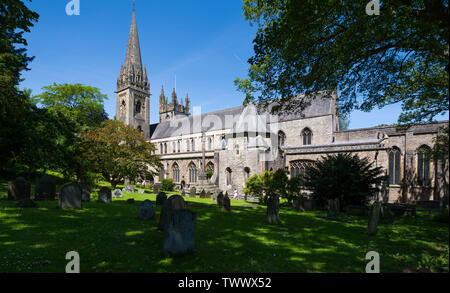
204 43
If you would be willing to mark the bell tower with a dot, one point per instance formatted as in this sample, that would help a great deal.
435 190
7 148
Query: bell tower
133 87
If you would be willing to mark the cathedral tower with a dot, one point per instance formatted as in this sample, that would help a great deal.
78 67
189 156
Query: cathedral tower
133 87
174 109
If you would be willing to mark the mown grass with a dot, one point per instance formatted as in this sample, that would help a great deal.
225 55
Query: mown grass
111 238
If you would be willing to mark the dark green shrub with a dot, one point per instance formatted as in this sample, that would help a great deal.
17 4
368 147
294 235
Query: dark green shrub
351 179
167 184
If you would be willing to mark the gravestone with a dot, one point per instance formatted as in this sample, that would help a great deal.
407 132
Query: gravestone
333 207
86 194
298 203
203 194
220 199
140 191
161 198
157 188
179 235
183 193
26 203
117 193
273 208
388 214
19 189
70 198
193 191
104 195
129 189
309 204
374 216
226 203
147 210
175 202
45 188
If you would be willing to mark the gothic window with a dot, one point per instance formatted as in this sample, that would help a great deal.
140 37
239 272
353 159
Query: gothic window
193 145
299 168
237 149
175 173
246 173
423 166
165 148
307 136
281 138
138 107
394 166
179 146
161 148
174 147
123 107
228 173
188 146
192 173
139 128
210 143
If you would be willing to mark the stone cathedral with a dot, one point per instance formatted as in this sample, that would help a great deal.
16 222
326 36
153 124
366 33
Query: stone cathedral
233 144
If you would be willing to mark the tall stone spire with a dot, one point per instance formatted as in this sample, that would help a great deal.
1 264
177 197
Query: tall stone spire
132 73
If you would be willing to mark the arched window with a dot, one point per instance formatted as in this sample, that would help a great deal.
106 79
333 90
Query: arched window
228 173
174 147
246 173
175 173
394 166
161 148
210 143
307 136
423 166
281 138
192 170
209 169
139 128
138 107
188 146
179 146
165 148
193 144
237 149
299 168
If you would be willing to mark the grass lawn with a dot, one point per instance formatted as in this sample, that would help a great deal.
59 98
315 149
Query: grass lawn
110 238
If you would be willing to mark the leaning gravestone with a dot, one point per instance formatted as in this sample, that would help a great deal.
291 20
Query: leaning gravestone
45 188
117 193
104 195
226 203
70 198
220 199
193 191
19 189
273 207
374 216
86 194
179 235
175 202
147 210
203 194
129 189
157 188
161 198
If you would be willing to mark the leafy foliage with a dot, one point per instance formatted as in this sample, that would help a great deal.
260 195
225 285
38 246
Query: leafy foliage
167 184
117 152
269 182
400 55
351 179
15 20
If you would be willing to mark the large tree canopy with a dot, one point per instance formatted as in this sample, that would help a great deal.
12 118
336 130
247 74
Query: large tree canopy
303 46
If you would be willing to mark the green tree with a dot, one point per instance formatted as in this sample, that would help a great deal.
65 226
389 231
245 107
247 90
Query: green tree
117 152
15 20
398 56
351 179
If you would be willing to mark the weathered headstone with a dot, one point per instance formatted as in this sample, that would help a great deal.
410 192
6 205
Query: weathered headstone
220 199
129 189
374 216
226 203
117 193
147 210
298 203
26 203
104 195
19 189
157 188
193 191
86 194
175 202
388 214
45 188
203 194
140 191
70 198
333 207
273 208
309 204
179 235
161 198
